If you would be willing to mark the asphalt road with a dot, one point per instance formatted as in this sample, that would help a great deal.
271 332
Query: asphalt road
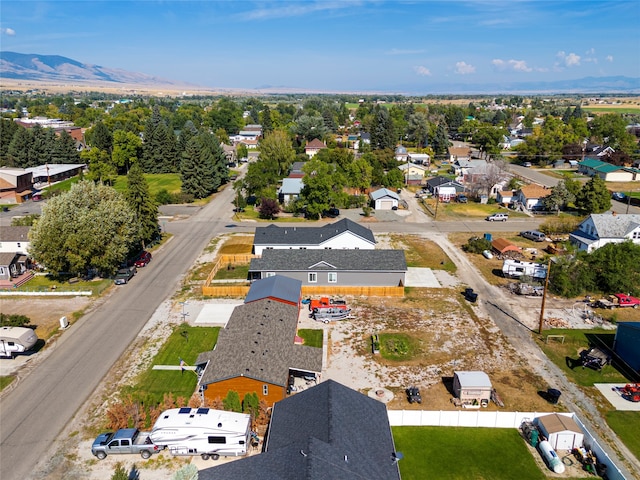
34 413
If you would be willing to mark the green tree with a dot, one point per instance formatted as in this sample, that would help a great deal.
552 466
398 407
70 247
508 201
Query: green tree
127 149
439 140
418 129
99 136
594 196
276 153
137 195
265 119
318 190
394 178
611 130
8 129
19 152
242 151
382 131
558 199
100 167
251 404
231 402
616 267
308 127
360 174
268 208
89 227
64 149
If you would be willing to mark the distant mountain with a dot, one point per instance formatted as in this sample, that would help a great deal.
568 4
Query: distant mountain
54 68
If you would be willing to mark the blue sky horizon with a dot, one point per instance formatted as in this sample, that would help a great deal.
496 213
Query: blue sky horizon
357 45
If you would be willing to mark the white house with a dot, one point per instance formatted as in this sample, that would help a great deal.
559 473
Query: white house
420 158
290 190
530 196
384 199
598 229
344 234
14 240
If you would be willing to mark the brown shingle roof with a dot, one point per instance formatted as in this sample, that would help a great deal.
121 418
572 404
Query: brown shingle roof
535 191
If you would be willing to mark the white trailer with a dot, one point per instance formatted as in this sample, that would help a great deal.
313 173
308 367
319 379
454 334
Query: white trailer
516 269
16 340
202 431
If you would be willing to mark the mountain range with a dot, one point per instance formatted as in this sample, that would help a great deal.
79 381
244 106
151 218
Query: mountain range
56 68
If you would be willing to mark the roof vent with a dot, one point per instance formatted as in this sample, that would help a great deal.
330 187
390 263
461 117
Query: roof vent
302 453
346 459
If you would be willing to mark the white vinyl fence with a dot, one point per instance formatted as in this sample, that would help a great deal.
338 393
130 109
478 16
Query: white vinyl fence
479 418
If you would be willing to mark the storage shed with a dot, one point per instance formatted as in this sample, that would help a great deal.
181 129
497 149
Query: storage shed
472 388
562 432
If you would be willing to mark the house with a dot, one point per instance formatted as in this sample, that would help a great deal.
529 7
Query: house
462 166
598 229
313 147
343 234
277 288
472 388
229 153
626 343
327 432
14 260
505 197
47 174
420 158
530 196
15 185
561 431
256 352
290 190
435 182
15 240
445 193
401 154
459 154
413 174
370 268
502 245
384 199
296 170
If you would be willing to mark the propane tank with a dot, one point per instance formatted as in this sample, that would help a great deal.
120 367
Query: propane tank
551 457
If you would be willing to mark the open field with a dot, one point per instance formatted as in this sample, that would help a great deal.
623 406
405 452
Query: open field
156 181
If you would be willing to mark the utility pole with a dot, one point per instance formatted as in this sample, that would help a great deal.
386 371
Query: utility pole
544 297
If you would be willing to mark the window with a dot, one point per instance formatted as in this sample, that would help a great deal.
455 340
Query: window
333 277
269 274
124 443
265 389
217 440
313 277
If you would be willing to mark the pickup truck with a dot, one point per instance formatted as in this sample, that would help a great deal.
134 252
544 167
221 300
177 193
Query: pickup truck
125 440
123 275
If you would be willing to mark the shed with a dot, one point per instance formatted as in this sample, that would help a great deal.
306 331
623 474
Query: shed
502 245
562 432
472 387
384 199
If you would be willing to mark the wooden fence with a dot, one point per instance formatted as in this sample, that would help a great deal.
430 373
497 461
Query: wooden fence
225 291
223 261
309 291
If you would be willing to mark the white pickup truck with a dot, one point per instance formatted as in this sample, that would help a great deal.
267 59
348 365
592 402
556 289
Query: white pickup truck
125 440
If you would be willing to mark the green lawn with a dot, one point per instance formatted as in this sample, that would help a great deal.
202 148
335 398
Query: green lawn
454 453
44 283
312 338
237 272
6 381
626 425
157 181
564 355
398 346
184 343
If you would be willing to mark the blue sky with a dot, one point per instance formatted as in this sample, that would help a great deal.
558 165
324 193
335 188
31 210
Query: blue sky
348 45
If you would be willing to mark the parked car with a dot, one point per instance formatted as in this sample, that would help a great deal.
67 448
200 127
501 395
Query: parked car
527 164
534 235
413 395
123 275
498 217
462 199
143 259
619 196
332 213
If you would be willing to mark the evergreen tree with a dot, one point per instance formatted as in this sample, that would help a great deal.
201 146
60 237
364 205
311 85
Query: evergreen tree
188 131
42 144
100 137
64 150
382 132
440 143
267 124
8 128
189 168
594 196
120 473
19 151
138 197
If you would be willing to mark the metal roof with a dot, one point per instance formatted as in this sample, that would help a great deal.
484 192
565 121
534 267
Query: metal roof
276 287
470 379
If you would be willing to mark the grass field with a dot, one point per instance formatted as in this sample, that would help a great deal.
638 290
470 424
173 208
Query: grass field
156 181
6 381
312 337
184 343
458 453
422 253
44 283
626 425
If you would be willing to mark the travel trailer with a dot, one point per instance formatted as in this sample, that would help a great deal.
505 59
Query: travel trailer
516 268
202 431
16 340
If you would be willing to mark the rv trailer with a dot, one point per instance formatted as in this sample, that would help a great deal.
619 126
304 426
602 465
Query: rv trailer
202 431
516 269
16 340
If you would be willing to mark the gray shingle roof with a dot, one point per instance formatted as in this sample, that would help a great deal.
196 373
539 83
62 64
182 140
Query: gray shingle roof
274 235
339 260
14 234
328 432
258 342
614 226
276 287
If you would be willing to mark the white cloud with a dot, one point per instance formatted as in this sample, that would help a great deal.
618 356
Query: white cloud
571 60
515 65
462 68
609 58
8 31
422 71
591 51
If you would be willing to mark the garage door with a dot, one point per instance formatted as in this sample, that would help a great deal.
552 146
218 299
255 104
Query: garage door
385 204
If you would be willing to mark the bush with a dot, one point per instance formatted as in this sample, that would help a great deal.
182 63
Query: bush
367 211
232 402
477 245
560 225
14 320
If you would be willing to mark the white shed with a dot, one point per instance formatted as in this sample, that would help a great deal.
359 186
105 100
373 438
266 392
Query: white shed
562 431
384 199
472 387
